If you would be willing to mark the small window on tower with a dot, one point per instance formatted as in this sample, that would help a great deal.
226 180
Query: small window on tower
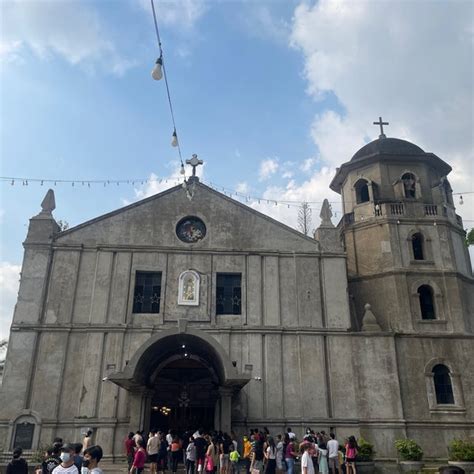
427 307
229 293
147 295
362 191
443 385
417 245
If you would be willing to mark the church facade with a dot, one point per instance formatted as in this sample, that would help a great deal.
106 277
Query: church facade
190 309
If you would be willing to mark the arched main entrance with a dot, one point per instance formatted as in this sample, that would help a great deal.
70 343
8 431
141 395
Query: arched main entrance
186 393
185 372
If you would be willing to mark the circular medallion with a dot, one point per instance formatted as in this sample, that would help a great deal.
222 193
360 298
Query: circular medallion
191 229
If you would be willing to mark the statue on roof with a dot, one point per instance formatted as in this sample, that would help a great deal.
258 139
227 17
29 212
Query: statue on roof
49 203
326 214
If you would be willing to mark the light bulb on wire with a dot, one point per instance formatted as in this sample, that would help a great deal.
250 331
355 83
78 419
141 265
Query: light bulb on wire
461 200
174 140
182 172
157 72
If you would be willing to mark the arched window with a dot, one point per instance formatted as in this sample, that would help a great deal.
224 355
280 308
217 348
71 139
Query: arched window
409 185
362 191
417 245
443 385
427 307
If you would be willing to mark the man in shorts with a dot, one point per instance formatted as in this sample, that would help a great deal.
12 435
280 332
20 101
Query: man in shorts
333 454
152 448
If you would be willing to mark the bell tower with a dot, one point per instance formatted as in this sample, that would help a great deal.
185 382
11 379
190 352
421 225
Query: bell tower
405 244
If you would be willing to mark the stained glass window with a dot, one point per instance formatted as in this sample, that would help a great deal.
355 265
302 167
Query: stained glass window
147 295
229 293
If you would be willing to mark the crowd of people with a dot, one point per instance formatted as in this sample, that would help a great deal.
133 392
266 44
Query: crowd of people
259 452
62 458
203 452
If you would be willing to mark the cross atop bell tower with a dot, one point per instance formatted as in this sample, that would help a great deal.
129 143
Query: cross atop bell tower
381 124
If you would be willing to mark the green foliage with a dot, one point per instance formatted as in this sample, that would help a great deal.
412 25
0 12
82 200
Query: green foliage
37 456
366 452
461 450
470 237
409 450
63 225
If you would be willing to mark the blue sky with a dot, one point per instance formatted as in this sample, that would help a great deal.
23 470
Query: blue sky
271 95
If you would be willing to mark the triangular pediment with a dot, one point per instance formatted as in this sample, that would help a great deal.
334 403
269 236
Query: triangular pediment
230 225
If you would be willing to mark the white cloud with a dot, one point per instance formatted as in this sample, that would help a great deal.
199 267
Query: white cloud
181 14
70 30
9 282
157 184
268 167
260 21
314 190
242 188
413 66
308 164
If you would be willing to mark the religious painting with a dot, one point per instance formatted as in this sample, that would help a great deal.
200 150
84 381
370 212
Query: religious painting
188 288
191 230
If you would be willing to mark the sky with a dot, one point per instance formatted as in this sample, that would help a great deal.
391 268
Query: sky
272 95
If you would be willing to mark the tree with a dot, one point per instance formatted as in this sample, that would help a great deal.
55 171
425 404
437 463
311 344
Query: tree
470 237
304 218
63 225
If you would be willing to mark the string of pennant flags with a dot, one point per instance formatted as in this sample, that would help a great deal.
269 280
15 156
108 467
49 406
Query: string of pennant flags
246 197
91 183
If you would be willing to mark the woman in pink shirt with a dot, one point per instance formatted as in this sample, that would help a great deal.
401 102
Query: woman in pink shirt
139 459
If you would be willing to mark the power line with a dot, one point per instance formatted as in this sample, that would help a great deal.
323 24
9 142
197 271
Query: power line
166 80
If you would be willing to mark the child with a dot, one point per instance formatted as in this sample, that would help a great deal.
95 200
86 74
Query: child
234 460
190 456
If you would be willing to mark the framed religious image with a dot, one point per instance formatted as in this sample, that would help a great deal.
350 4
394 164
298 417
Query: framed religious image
191 229
188 288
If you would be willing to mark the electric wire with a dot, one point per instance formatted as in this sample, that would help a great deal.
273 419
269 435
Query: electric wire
165 75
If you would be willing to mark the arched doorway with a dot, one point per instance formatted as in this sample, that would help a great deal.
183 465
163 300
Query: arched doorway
186 392
180 376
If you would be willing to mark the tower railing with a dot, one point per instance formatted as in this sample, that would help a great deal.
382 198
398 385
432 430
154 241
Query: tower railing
412 209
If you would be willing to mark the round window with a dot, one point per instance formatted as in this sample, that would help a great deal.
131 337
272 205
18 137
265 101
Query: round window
190 229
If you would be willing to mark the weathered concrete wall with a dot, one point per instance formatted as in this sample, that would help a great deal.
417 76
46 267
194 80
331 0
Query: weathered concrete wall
230 225
74 325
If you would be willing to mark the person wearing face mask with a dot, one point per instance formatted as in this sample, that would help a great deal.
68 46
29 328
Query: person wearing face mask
67 461
92 457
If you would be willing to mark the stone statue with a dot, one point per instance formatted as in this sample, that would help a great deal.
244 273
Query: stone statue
326 214
49 203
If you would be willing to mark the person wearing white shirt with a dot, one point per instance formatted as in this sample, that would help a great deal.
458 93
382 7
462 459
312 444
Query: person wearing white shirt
333 454
67 461
307 466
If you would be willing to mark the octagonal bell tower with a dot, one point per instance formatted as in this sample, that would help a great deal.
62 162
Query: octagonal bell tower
405 244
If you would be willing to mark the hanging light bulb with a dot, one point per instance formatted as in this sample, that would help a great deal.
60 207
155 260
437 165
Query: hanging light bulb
182 169
174 140
157 72
461 200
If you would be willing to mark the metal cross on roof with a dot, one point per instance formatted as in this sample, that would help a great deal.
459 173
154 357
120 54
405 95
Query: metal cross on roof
382 135
194 162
